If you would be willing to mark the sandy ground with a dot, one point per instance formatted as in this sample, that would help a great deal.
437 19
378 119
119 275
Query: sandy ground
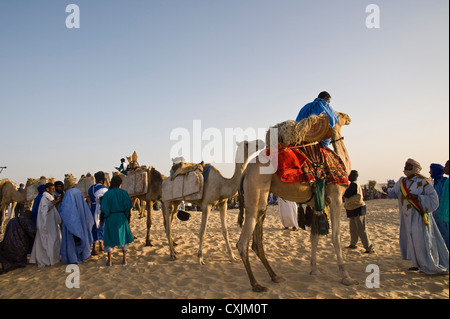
151 274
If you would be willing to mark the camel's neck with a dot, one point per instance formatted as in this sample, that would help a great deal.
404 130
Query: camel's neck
20 197
231 185
340 149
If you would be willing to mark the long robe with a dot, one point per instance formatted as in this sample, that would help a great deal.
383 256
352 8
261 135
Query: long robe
78 222
442 213
95 192
14 247
421 244
116 205
288 213
47 243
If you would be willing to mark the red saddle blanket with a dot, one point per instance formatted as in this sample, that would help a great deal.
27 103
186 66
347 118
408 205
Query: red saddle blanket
305 163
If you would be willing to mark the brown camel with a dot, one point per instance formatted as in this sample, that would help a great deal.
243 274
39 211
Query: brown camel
256 187
11 195
216 191
154 190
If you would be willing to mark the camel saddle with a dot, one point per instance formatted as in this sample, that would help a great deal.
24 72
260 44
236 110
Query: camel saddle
183 168
306 163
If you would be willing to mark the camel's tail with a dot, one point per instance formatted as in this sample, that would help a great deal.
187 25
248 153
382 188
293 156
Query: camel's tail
241 201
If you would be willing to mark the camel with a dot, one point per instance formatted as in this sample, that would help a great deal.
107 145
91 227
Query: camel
11 195
216 191
83 184
256 187
154 190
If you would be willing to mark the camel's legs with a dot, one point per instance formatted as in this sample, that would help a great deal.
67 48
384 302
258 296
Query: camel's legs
258 245
2 217
142 206
149 205
206 209
243 243
223 213
170 209
335 212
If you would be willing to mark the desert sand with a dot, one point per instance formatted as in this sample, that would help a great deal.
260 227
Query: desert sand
151 274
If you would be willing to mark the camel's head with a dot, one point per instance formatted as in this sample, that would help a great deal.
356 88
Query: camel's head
245 149
344 119
31 188
69 181
31 181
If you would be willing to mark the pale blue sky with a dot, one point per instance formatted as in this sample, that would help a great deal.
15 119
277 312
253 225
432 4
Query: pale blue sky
77 100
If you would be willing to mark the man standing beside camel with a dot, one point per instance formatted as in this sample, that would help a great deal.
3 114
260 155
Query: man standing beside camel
47 243
420 239
95 192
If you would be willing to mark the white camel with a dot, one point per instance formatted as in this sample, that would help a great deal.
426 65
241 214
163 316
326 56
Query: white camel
216 191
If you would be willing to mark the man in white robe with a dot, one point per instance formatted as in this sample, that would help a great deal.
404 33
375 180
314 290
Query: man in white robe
47 243
420 239
288 213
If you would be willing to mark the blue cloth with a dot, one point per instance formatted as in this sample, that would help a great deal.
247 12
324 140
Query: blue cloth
441 218
317 107
37 201
96 232
437 174
441 215
77 221
206 172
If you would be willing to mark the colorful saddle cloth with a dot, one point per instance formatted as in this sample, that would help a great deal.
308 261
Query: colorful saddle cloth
303 164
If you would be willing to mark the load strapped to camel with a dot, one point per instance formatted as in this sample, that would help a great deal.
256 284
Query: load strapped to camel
186 181
135 178
135 182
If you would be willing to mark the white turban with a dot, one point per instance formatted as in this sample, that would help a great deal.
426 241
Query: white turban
416 167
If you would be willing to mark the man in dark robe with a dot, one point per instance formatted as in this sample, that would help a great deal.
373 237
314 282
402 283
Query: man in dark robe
14 247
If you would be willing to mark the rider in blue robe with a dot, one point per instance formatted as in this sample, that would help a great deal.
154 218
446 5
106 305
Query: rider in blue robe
318 106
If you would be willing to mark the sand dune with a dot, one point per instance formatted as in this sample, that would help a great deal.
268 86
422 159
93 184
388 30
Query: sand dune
151 274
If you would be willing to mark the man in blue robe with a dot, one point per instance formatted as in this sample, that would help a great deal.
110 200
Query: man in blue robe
77 228
95 192
318 106
437 174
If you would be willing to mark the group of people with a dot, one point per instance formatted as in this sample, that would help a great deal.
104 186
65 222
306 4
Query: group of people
62 227
424 216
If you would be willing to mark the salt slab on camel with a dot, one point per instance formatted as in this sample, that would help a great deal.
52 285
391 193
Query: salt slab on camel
184 187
